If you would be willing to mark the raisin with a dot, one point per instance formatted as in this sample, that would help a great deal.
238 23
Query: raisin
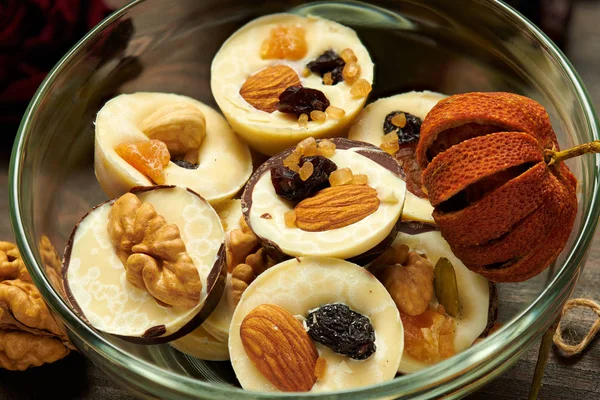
343 330
407 134
329 61
300 100
287 183
185 164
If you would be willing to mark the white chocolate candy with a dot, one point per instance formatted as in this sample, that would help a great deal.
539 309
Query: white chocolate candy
224 162
202 345
349 241
240 57
473 293
368 127
302 285
96 280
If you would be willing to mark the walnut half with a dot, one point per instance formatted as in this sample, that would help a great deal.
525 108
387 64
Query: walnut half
410 285
244 274
153 253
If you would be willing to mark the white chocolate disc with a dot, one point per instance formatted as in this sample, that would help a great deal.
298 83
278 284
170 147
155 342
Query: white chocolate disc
302 285
473 293
202 345
224 163
346 242
368 127
239 58
96 279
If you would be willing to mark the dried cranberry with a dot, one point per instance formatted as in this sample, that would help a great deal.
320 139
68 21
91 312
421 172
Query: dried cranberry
343 330
409 133
288 184
329 61
185 164
300 100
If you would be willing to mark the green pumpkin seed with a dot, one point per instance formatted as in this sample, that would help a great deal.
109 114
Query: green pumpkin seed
446 288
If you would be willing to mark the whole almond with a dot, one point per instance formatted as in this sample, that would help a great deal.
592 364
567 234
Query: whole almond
279 347
262 89
336 207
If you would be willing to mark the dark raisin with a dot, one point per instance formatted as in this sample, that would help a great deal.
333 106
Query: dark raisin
288 184
329 61
409 133
300 100
343 330
185 164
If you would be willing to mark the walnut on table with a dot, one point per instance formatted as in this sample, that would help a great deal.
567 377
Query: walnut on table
153 253
20 350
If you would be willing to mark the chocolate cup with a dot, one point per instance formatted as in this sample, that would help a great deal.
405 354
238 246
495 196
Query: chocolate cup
215 286
368 150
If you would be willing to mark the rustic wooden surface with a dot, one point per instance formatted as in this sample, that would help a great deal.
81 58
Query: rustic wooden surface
565 378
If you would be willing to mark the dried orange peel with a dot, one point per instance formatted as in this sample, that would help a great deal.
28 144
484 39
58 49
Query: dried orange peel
503 199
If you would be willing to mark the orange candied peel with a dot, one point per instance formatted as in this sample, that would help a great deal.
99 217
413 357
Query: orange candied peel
149 157
285 42
429 337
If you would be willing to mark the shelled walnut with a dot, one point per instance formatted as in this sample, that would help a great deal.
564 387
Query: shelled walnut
153 253
243 274
240 243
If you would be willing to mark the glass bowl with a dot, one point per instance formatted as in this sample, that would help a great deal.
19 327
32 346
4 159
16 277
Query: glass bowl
168 45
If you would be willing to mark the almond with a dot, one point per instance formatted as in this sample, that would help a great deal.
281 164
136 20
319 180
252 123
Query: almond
262 89
279 347
336 207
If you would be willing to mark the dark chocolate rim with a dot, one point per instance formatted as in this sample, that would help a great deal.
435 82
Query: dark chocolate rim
369 151
492 310
215 283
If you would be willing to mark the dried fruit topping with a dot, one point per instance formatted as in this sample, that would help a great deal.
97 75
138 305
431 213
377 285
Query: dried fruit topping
329 63
351 72
149 157
262 90
335 112
244 274
344 176
240 243
290 219
343 330
501 201
446 288
300 100
406 126
318 116
289 185
410 285
336 207
361 88
153 253
326 148
279 347
348 56
306 170
285 42
185 164
303 120
429 337
307 147
182 127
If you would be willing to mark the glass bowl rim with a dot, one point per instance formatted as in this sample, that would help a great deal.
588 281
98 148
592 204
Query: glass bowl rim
436 375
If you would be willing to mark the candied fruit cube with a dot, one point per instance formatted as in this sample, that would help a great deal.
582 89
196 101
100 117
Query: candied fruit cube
348 56
360 179
285 42
335 112
303 120
290 218
149 157
390 147
306 170
318 116
390 137
360 88
326 148
328 79
307 147
342 176
306 72
429 337
399 120
351 72
293 160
